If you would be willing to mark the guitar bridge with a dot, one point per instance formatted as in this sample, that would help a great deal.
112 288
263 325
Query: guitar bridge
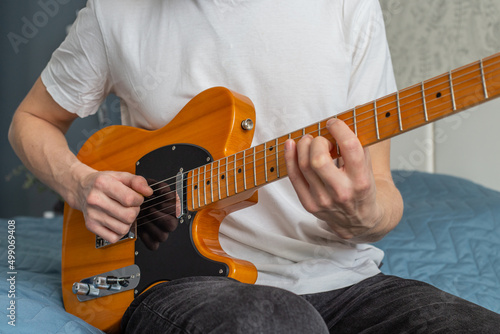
108 283
101 243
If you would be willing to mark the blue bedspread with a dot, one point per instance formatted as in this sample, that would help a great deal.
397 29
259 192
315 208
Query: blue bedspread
449 237
38 297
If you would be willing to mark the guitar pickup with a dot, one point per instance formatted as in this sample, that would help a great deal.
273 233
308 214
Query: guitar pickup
179 194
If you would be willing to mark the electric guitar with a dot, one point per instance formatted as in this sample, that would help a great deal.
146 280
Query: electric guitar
200 173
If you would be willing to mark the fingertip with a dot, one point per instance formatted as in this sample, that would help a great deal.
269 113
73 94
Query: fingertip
289 145
149 191
331 121
140 184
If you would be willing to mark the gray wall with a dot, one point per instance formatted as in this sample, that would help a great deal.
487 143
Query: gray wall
30 30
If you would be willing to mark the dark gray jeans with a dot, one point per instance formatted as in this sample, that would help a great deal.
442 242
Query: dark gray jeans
381 304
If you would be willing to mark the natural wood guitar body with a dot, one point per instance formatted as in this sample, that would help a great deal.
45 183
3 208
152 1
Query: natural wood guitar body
212 120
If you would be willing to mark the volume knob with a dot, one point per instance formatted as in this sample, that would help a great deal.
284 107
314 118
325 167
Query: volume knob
84 289
247 124
80 288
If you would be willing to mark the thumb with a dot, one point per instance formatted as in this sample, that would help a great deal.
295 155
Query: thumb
135 182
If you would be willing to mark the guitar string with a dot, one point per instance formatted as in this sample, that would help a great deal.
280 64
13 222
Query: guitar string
211 190
418 94
203 193
166 214
370 112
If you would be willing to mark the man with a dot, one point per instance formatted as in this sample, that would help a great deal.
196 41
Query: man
299 62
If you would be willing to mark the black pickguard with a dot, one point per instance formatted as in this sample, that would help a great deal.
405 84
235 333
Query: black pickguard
176 257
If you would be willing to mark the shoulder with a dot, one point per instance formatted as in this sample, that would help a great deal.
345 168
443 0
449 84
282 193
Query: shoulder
109 11
122 5
363 20
360 11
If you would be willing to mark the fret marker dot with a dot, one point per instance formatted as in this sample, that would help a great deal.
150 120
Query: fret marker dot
208 182
270 148
387 114
239 170
195 187
272 169
222 177
438 95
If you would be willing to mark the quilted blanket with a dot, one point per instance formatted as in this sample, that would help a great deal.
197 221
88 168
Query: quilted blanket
449 237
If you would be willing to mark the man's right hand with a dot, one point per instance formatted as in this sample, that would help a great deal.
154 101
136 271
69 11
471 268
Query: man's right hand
110 202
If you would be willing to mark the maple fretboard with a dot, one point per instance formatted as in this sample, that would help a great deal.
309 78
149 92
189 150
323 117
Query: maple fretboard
372 122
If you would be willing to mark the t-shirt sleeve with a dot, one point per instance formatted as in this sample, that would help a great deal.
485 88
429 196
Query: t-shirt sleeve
77 74
372 73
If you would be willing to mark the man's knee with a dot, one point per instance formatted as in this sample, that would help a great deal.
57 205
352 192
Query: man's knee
220 305
272 310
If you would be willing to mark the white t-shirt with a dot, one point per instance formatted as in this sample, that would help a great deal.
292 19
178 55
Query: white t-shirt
299 61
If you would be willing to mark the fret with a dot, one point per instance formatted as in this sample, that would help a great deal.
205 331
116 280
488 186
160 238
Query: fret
244 171
376 118
485 90
192 188
399 112
235 173
254 168
452 92
276 155
198 186
424 103
205 184
227 178
265 159
354 121
211 182
218 178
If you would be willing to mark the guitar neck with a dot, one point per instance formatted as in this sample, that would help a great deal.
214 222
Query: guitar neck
378 120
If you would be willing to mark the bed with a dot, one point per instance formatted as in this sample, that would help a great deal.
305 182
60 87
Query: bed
449 237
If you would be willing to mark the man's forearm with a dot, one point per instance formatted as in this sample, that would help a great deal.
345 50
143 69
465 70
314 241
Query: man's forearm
47 156
109 200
